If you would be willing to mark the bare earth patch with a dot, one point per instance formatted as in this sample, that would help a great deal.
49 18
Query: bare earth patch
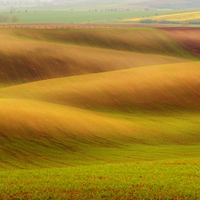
187 37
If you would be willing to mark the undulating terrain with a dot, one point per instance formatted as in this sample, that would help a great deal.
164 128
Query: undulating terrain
100 113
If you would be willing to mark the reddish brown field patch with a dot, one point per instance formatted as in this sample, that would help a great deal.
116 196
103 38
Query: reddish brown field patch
187 37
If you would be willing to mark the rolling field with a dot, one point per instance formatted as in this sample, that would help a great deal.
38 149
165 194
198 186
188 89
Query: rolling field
99 114
82 51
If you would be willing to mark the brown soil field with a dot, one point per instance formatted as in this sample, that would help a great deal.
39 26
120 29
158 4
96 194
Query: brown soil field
76 26
187 37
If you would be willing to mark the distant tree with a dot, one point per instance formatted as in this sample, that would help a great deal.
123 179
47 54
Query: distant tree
12 9
3 18
185 23
194 22
147 21
14 18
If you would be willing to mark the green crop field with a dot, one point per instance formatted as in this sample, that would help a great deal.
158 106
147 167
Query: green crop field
171 179
45 15
78 12
99 113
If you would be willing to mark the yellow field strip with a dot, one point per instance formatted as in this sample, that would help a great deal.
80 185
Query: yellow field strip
180 17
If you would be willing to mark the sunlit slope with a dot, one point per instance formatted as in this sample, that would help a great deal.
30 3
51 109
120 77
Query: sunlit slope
27 119
154 87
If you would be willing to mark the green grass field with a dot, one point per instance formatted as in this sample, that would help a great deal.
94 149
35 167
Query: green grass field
98 114
171 179
35 15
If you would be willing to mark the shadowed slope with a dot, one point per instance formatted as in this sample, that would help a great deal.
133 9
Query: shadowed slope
187 37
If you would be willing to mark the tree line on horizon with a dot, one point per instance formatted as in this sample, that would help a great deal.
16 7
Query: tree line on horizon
6 18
